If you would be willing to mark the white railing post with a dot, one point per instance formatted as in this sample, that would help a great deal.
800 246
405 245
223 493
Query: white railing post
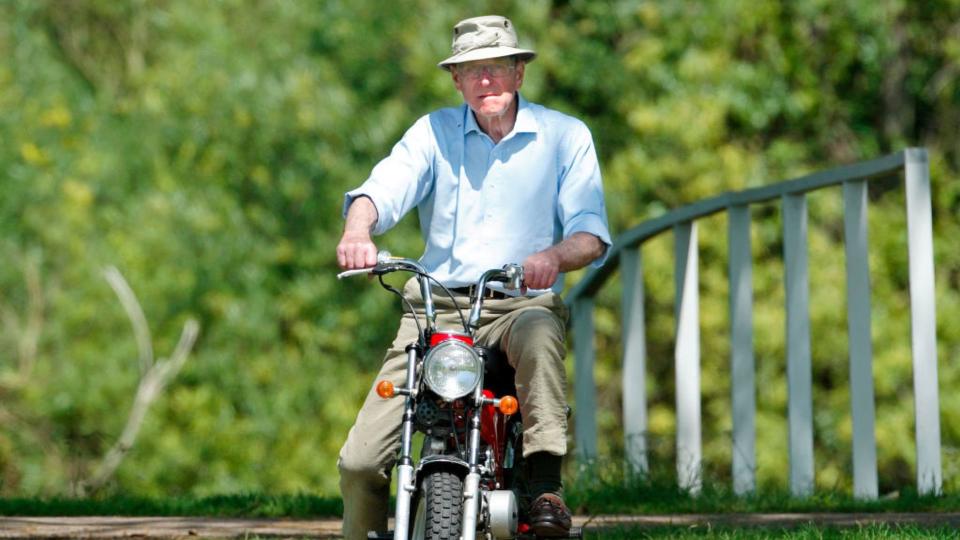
634 362
742 375
861 347
687 358
923 321
585 390
799 371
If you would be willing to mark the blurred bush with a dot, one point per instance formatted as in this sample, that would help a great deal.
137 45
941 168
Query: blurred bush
203 148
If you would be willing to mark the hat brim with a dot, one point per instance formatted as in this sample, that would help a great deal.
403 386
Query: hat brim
485 53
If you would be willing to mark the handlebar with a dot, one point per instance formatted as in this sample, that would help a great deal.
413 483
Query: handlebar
386 264
511 275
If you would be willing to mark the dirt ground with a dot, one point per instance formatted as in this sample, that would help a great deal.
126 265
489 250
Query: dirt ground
194 527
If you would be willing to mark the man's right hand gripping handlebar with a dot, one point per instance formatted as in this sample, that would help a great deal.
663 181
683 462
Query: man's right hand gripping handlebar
356 250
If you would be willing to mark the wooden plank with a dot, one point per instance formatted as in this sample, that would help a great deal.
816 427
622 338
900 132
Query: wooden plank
742 376
634 363
923 322
687 358
861 347
584 387
799 372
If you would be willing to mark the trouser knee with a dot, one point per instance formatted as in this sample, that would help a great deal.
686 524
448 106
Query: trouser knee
536 335
354 471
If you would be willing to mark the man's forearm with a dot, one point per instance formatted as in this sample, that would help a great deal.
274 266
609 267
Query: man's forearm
577 251
361 216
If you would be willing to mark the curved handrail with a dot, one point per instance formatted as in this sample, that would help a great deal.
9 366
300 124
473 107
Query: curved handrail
596 278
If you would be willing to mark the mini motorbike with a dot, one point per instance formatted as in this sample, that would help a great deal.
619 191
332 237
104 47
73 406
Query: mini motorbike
468 476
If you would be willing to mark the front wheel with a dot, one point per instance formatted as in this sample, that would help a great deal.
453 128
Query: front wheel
439 507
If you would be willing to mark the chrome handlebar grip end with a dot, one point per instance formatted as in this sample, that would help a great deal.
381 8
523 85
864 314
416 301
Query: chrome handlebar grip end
514 275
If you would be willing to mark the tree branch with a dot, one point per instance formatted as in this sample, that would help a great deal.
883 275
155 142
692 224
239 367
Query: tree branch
153 380
141 330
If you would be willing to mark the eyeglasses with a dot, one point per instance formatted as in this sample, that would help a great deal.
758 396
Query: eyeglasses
494 70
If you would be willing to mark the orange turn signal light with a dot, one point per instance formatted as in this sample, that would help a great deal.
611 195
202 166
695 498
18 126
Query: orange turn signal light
508 405
385 389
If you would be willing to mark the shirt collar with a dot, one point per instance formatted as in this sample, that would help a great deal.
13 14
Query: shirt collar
526 120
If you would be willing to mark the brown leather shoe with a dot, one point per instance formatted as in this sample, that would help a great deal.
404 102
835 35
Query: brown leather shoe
549 516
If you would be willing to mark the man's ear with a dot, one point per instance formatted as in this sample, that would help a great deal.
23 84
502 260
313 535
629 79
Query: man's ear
455 76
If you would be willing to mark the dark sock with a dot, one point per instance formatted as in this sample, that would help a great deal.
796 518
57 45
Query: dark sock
543 474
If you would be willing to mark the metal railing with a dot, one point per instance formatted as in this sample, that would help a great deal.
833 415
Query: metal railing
625 254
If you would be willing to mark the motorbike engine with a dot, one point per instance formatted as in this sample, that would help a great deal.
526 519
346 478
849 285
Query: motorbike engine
503 513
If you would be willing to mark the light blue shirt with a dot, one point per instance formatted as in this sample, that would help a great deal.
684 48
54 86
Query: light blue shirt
483 205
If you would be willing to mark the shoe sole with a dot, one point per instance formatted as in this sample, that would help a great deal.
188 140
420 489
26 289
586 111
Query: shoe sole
549 530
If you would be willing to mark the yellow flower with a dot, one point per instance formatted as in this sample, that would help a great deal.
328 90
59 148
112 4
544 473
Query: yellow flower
78 193
58 117
32 154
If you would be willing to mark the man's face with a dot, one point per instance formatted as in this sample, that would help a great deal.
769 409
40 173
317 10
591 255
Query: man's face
488 86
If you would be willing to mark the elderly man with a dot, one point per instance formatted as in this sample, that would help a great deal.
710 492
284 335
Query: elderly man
496 180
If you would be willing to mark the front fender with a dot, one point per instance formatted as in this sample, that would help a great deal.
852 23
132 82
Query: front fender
441 461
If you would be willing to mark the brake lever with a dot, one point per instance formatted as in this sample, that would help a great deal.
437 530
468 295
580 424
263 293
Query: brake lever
356 272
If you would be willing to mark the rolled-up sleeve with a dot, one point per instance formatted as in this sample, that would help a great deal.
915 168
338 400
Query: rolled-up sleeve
401 180
581 206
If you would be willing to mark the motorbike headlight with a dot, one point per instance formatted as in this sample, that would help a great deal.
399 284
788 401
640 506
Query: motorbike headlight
452 369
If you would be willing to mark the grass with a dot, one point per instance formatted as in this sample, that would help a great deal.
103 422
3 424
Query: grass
807 532
241 505
594 491
601 490
608 490
594 494
635 496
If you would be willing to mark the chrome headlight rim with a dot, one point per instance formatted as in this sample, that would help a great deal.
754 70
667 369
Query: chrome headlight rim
452 369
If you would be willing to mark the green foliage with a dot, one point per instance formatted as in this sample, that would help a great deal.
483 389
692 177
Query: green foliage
203 149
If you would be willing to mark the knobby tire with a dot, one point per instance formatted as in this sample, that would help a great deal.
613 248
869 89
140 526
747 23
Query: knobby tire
441 497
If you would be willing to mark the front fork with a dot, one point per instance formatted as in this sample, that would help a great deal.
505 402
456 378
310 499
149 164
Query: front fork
405 481
471 485
405 484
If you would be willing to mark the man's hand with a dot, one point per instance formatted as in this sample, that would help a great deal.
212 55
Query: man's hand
541 269
356 250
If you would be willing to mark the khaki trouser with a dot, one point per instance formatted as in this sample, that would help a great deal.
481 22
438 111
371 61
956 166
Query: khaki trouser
530 330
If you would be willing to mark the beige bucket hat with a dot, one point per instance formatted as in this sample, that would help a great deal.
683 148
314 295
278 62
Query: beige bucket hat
480 38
